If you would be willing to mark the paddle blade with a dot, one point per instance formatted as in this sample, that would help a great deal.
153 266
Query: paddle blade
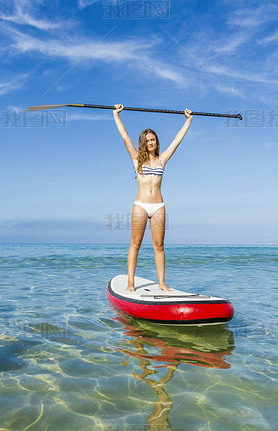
41 107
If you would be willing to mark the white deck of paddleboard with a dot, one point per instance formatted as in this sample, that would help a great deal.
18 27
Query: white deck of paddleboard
147 290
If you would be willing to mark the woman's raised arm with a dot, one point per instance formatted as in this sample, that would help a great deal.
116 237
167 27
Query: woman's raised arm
167 154
122 130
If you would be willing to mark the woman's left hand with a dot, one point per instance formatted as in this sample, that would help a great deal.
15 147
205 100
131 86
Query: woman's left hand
187 113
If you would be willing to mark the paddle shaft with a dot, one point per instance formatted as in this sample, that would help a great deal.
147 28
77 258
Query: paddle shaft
163 111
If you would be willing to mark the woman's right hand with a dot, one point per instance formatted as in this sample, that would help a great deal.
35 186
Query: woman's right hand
118 108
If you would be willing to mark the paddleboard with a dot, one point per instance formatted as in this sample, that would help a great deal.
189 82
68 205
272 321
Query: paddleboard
168 307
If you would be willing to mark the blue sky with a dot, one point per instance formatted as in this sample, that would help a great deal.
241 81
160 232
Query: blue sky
65 174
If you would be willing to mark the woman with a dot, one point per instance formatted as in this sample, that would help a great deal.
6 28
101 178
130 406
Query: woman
149 165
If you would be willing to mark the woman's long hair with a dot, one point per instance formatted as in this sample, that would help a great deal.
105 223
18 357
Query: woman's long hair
143 155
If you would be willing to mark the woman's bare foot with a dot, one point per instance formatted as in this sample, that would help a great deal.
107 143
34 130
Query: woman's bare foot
130 288
163 286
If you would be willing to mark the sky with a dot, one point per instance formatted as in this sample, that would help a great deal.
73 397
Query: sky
65 174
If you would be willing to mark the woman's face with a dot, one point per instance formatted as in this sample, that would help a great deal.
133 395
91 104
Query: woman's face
150 142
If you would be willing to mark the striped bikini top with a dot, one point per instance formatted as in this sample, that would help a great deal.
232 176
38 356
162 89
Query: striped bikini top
147 170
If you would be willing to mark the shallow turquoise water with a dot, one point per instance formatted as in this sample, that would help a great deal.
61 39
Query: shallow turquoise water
70 361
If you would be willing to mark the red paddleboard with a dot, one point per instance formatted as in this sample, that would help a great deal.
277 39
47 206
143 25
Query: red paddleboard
174 307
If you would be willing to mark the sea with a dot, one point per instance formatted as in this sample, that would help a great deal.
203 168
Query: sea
69 361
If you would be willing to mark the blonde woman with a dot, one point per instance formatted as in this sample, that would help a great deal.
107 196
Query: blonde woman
149 166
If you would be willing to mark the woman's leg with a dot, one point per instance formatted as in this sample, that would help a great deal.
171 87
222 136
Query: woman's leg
138 227
158 233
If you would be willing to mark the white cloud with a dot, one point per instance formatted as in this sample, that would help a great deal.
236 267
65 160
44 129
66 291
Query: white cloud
21 15
75 50
207 69
88 117
79 49
272 144
222 70
231 44
269 39
230 90
15 83
163 71
17 109
85 3
221 63
251 18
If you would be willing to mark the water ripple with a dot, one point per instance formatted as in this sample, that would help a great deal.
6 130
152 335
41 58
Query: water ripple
70 361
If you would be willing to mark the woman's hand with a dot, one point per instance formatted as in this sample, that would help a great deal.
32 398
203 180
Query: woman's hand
118 108
187 113
122 130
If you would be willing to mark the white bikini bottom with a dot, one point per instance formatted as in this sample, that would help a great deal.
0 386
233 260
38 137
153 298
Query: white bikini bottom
150 208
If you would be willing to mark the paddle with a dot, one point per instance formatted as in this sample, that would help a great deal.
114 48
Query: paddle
164 111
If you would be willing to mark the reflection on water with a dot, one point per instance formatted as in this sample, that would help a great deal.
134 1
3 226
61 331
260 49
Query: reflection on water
66 365
165 346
